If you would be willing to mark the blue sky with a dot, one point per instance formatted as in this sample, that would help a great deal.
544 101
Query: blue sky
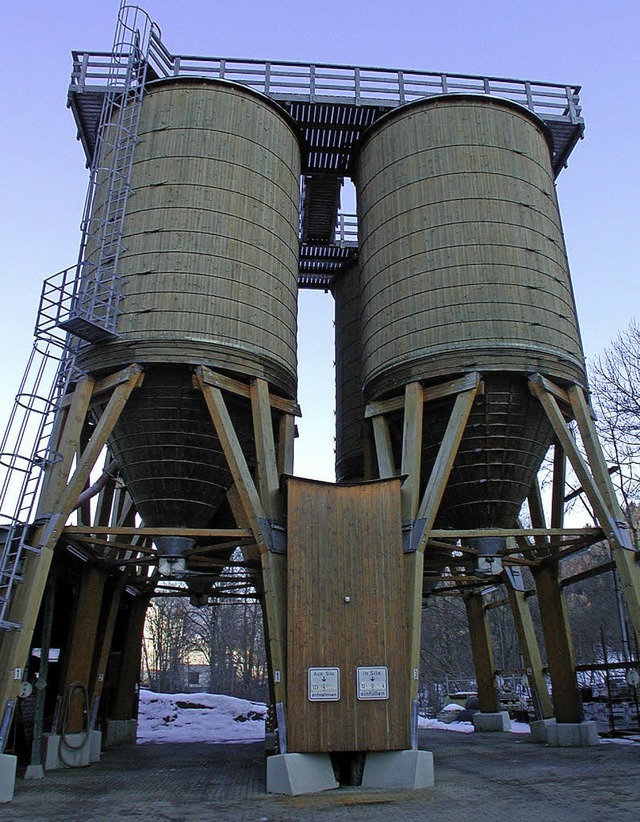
590 43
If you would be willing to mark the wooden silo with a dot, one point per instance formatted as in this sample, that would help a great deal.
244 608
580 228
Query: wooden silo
209 277
464 270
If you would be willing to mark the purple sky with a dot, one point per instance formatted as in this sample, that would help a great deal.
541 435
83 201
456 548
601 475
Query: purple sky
590 43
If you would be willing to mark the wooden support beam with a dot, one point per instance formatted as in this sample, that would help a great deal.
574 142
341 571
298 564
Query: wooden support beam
58 500
273 565
79 655
558 486
103 645
437 482
412 450
622 549
465 533
267 468
557 639
530 649
434 392
536 512
212 378
133 530
286 437
369 452
236 460
482 652
124 704
384 451
606 519
67 446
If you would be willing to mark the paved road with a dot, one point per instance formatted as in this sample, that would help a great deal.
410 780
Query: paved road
493 777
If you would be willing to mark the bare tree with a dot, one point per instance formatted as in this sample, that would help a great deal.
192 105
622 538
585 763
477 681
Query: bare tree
615 382
167 643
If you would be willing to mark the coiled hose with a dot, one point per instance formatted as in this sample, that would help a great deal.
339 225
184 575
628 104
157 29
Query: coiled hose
65 743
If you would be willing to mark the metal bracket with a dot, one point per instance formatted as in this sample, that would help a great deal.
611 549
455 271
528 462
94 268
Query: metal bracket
412 535
274 534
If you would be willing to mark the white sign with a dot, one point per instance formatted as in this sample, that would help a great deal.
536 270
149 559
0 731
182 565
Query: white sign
324 684
373 683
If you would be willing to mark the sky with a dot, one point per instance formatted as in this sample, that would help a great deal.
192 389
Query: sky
593 44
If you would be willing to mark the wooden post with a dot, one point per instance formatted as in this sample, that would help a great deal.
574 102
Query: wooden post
482 653
437 482
103 645
273 564
557 639
57 500
421 516
384 451
286 437
626 560
124 701
530 650
82 642
558 486
412 449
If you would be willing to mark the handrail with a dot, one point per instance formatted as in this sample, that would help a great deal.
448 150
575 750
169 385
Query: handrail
326 82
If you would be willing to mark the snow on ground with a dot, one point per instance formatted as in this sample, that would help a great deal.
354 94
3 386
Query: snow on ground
199 718
216 718
465 727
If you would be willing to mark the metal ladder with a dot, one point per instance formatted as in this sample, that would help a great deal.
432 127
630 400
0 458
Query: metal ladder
25 452
82 300
93 310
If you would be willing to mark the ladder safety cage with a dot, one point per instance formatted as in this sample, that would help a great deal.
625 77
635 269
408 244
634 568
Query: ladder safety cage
77 304
96 289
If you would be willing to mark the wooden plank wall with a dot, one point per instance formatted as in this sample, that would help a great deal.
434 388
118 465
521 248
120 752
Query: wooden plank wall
346 541
463 264
210 245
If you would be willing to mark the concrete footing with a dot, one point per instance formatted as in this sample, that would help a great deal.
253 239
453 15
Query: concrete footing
95 745
539 729
34 772
8 764
572 734
498 721
401 770
120 732
297 773
75 754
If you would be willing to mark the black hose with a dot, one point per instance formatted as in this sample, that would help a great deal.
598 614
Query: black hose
65 743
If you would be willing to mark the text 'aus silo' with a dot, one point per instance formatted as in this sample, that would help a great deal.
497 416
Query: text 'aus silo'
464 269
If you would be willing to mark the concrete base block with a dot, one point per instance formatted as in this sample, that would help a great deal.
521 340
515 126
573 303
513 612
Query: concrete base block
95 745
492 722
297 773
401 770
539 730
120 732
34 772
572 734
73 757
8 764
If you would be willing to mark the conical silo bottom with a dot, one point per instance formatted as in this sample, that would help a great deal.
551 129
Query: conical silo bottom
169 455
502 449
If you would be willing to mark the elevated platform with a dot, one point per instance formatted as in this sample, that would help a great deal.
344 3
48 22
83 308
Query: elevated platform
333 105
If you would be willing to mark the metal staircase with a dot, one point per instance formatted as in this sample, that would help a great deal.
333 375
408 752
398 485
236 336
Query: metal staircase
77 304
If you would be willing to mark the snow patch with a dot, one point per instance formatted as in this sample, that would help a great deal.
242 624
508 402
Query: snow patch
199 718
465 727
